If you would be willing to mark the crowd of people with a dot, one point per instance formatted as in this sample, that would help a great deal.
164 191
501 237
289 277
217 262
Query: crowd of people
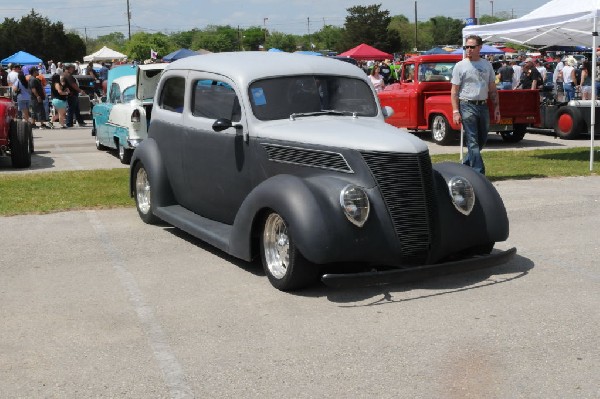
62 108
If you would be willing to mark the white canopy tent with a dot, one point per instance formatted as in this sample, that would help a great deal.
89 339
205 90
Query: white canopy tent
105 54
558 22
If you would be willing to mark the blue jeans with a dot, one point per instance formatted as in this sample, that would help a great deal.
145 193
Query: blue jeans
476 123
505 85
569 91
73 111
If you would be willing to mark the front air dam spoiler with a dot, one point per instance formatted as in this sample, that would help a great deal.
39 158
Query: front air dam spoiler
418 272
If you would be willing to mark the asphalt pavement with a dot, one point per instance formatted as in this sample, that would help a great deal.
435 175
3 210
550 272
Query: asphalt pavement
98 304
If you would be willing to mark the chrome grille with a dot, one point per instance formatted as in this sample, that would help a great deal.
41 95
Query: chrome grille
406 184
307 157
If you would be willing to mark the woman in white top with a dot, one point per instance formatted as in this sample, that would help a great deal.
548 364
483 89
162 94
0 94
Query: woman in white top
377 79
569 79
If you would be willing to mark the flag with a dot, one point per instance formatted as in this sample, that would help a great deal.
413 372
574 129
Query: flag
153 54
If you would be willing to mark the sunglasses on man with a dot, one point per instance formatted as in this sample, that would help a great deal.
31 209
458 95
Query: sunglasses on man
471 47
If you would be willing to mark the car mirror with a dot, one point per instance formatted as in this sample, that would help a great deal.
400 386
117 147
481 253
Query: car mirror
387 111
224 123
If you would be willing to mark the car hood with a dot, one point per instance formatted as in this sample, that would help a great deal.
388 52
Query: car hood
366 134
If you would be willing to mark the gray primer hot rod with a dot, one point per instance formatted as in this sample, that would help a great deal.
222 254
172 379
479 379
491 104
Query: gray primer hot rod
288 157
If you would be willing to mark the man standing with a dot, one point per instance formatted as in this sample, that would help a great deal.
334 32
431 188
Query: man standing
72 98
473 82
505 75
37 98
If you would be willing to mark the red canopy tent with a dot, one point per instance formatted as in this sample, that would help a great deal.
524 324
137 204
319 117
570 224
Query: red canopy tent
366 52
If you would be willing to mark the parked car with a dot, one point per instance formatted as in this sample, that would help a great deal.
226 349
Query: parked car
121 120
16 138
288 158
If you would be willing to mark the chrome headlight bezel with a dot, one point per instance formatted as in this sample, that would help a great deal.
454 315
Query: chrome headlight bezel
462 194
355 204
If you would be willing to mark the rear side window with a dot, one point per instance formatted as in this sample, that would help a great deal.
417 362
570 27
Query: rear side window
172 94
214 99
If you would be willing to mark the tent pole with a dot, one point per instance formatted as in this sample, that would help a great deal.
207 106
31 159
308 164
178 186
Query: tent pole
593 107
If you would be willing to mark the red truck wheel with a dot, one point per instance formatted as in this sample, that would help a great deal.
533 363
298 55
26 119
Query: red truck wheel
20 147
441 132
568 123
515 135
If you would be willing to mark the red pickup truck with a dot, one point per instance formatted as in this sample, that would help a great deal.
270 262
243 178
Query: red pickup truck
421 101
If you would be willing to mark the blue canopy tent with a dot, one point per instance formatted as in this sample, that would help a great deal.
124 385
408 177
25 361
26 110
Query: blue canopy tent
21 58
275 50
178 54
485 50
308 53
436 50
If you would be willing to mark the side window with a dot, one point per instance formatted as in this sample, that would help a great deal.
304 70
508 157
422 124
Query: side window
129 94
214 99
172 94
409 73
115 94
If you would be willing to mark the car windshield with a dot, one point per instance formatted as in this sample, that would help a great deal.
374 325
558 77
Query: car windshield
129 94
436 71
309 95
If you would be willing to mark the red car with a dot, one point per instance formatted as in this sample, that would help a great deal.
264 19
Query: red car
16 139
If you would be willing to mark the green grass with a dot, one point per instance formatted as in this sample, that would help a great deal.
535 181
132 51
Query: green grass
101 189
64 191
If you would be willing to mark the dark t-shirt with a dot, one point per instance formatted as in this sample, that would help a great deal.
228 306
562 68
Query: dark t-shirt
34 83
385 71
506 73
71 84
56 79
527 79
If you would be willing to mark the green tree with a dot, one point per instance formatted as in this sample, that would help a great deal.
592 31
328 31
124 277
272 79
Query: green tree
281 41
38 36
405 31
368 24
329 38
253 37
446 30
138 48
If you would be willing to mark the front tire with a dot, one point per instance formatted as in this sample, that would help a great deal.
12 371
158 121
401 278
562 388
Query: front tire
20 144
143 195
283 263
441 132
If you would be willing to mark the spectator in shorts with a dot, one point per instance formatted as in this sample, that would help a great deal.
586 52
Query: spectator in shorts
585 88
59 92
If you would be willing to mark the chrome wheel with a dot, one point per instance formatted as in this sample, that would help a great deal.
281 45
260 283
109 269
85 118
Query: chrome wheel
438 128
121 152
142 191
276 243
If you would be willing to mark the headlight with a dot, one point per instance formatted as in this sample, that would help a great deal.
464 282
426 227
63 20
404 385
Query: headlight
462 194
355 203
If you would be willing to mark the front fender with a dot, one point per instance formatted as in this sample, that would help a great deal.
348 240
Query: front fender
487 223
317 223
148 154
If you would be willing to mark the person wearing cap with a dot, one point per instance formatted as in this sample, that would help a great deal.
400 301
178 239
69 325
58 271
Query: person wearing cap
37 98
72 98
473 83
530 78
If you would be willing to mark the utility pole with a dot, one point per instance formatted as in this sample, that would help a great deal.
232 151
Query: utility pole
265 27
415 49
308 28
492 1
128 20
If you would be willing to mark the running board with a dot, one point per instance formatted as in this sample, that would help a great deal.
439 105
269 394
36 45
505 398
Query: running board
214 233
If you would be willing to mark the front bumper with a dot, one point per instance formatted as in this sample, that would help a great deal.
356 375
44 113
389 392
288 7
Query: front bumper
417 273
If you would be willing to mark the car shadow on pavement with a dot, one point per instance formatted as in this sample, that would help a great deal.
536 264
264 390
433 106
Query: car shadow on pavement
446 284
38 161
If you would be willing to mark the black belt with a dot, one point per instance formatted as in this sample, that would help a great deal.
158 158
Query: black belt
475 102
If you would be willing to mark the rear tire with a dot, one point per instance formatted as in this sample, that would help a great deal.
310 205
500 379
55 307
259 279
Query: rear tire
515 135
20 144
569 123
283 263
142 192
124 154
441 132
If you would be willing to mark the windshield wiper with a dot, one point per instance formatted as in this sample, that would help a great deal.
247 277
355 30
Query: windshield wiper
323 112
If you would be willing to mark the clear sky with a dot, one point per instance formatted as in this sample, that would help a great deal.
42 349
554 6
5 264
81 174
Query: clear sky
101 17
